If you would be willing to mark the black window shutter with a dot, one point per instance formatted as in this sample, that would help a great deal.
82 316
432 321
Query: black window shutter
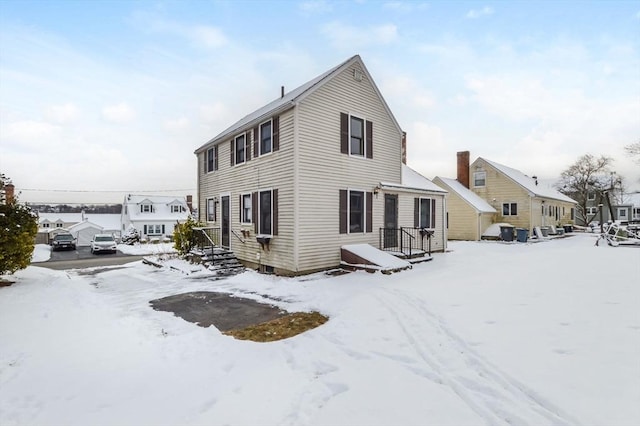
369 139
344 133
275 133
256 142
416 212
206 155
215 157
343 211
247 145
233 149
163 229
254 211
145 229
369 212
274 205
240 208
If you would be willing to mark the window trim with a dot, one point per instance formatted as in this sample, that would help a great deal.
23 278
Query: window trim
155 227
591 196
244 150
510 205
260 152
432 212
484 179
363 143
146 208
260 230
244 219
210 210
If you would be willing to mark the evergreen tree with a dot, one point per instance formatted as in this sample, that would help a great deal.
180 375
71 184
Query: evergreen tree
18 229
183 236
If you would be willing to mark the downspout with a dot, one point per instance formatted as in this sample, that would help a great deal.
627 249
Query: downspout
445 232
296 188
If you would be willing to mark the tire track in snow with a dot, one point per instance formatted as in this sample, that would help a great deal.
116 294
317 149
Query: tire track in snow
496 397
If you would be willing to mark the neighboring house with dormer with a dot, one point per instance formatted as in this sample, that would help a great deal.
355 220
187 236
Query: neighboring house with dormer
153 216
623 212
80 225
319 168
519 199
468 215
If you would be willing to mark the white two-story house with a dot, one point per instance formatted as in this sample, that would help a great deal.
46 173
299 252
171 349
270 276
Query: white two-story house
321 167
153 216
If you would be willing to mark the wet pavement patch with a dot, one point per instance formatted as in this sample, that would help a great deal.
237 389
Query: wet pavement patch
224 311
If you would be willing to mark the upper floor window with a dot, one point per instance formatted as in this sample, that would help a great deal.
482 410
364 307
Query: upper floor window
146 208
177 209
45 225
509 209
211 159
241 142
356 136
591 196
59 225
356 132
479 179
427 213
266 137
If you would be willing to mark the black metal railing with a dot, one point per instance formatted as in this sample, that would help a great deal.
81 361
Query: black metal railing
406 241
207 238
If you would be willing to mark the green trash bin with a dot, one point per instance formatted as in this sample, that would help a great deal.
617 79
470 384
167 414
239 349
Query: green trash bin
506 233
522 235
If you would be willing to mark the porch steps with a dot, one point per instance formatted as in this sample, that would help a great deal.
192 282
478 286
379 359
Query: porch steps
221 261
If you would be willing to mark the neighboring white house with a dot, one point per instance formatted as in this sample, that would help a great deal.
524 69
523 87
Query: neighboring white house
83 232
49 224
152 215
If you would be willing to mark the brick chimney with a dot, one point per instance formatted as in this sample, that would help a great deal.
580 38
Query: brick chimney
404 147
9 193
463 168
190 203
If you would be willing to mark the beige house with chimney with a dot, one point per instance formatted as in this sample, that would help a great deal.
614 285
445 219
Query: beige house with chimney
517 198
290 184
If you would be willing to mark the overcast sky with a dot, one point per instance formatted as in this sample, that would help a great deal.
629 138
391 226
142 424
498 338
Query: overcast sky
110 96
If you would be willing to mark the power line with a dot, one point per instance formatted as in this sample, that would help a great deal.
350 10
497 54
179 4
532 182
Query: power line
129 191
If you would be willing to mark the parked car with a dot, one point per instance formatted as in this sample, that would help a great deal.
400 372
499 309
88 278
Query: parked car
103 243
63 241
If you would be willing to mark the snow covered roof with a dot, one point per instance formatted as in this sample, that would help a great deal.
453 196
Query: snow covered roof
104 220
528 182
161 207
412 180
290 99
468 195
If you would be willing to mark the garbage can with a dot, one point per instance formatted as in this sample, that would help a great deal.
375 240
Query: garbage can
545 231
506 233
522 234
567 228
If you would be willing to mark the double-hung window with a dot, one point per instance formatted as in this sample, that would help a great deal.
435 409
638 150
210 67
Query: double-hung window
427 213
211 210
265 213
211 159
154 229
241 145
592 210
356 211
509 209
176 209
245 208
146 208
479 179
356 132
266 137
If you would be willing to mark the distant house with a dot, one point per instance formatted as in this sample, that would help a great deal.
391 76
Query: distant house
50 224
319 168
518 198
626 211
468 214
153 216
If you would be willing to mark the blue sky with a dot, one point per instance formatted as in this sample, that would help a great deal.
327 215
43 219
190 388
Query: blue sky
116 95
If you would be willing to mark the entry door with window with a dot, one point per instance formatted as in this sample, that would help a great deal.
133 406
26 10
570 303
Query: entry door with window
226 221
390 220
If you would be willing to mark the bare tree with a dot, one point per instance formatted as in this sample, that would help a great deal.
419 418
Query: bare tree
588 175
634 151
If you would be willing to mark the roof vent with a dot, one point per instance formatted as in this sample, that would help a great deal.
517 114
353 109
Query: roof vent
358 75
281 91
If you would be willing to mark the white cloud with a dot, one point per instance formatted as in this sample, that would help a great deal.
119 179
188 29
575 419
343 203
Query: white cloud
405 6
120 113
478 13
404 89
177 124
206 35
315 7
342 35
62 114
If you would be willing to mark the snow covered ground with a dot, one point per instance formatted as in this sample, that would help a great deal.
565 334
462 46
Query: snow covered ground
488 334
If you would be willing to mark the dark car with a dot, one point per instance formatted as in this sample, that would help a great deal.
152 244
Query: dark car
63 241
